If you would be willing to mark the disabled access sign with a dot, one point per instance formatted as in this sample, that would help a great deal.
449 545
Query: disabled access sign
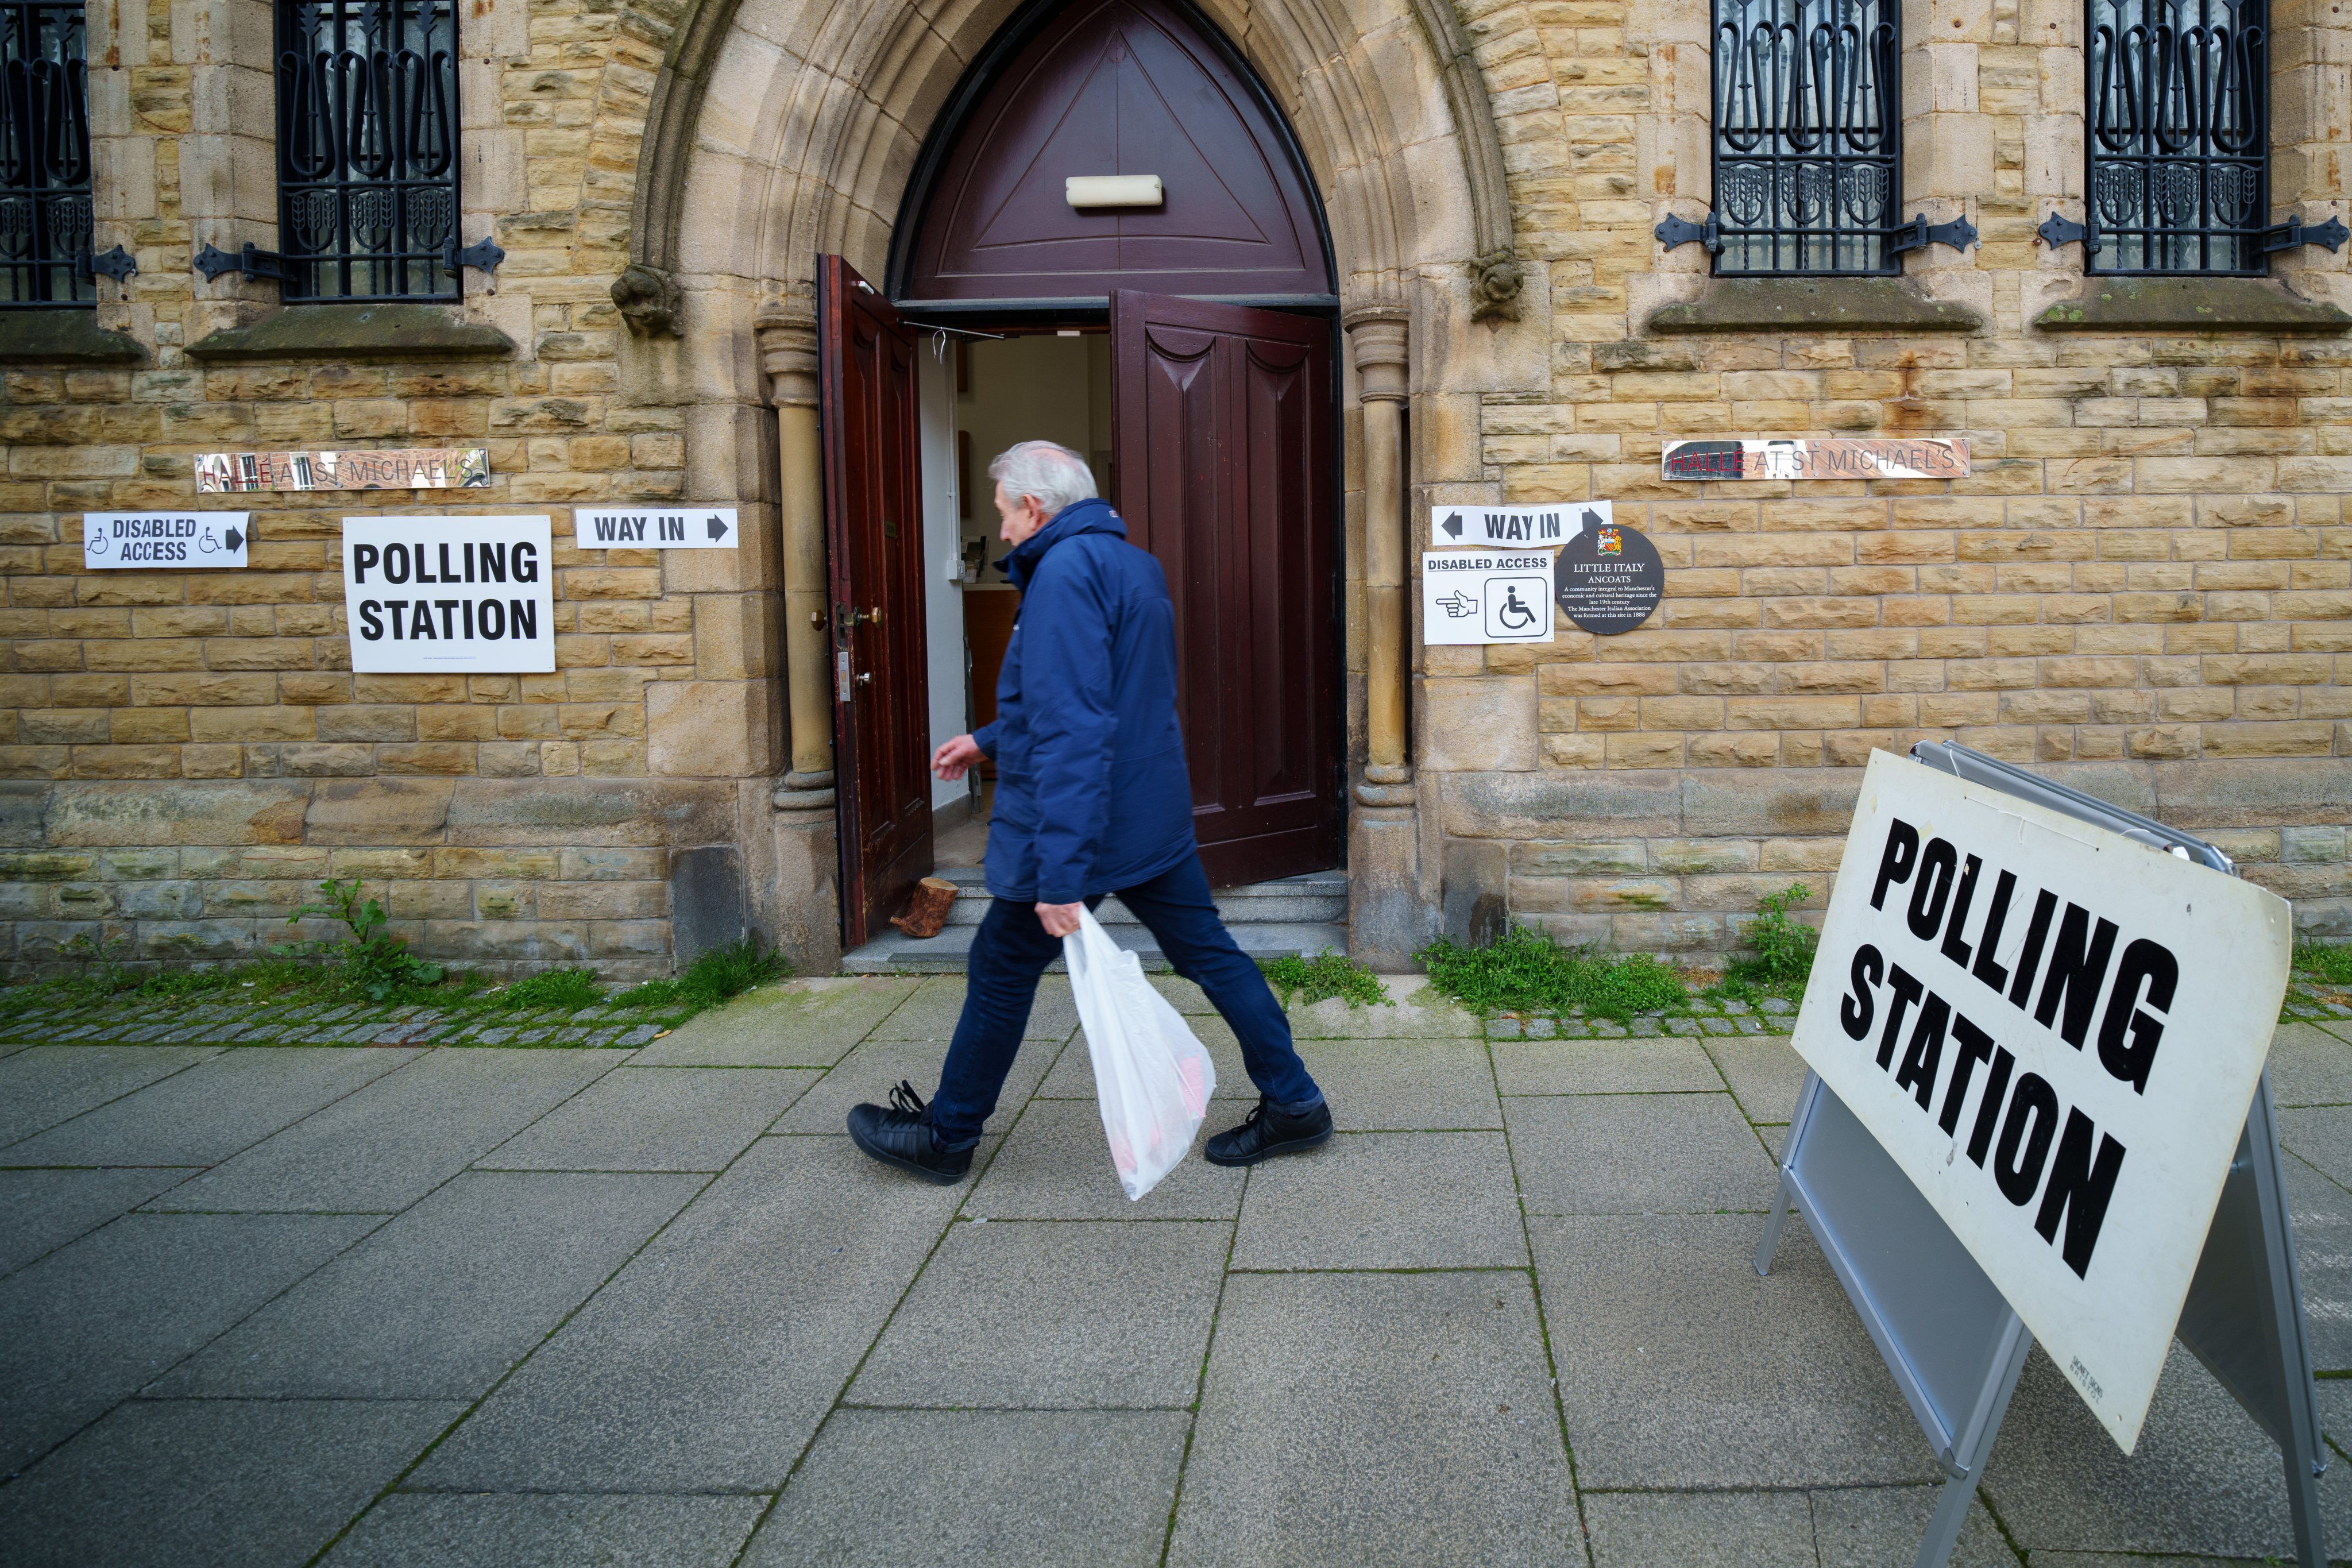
1485 597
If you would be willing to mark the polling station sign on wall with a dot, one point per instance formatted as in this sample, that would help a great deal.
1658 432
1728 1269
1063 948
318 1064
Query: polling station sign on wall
2055 1034
444 593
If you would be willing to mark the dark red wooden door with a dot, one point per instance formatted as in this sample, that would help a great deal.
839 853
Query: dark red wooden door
1222 421
874 561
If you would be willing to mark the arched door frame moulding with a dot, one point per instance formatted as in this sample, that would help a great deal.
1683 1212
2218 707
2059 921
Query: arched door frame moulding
842 132
777 130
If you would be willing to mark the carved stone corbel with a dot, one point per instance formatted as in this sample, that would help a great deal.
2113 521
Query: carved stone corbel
1495 294
649 300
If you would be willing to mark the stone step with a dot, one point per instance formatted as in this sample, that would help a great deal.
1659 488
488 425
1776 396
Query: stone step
895 953
1318 897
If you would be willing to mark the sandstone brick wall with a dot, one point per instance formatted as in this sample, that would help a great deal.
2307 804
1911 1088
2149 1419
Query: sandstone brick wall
2148 584
509 819
2150 569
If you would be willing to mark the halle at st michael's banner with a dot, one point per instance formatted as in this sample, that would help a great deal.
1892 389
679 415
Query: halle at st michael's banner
2056 1034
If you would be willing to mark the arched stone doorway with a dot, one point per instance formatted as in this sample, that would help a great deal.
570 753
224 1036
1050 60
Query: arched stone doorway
777 130
1210 423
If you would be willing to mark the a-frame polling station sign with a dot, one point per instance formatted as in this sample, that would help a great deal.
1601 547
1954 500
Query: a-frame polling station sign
2055 1033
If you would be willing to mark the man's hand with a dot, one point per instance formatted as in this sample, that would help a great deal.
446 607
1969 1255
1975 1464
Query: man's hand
953 757
1060 919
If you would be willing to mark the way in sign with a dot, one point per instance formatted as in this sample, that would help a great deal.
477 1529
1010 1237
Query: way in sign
694 528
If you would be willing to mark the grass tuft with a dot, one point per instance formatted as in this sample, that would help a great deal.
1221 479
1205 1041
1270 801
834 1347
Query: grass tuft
1306 980
1525 970
567 989
2325 962
717 976
1781 953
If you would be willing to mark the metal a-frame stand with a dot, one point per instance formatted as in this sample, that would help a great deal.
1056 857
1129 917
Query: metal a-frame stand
1956 1346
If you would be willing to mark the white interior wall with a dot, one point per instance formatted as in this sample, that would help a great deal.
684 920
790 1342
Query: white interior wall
942 599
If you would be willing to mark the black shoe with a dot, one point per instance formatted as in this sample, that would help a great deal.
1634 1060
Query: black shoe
901 1136
1268 1132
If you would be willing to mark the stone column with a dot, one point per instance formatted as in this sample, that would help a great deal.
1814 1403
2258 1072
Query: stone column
1385 920
807 864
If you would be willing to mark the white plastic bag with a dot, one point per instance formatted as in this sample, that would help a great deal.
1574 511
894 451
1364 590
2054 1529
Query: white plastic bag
1152 1076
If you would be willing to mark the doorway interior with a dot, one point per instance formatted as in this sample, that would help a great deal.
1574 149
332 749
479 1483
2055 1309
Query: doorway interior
980 394
1180 335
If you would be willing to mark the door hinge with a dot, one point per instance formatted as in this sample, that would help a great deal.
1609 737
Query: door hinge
483 256
2056 231
117 264
1676 231
253 261
1918 233
2293 232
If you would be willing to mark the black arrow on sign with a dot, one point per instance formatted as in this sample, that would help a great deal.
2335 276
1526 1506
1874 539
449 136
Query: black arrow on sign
718 528
234 539
1452 526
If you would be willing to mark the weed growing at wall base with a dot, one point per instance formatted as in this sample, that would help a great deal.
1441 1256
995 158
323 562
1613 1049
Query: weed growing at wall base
717 976
1303 982
1526 970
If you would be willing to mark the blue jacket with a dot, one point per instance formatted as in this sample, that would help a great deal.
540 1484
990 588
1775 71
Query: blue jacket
1092 793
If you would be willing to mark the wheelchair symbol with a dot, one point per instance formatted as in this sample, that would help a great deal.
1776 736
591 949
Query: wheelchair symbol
1518 609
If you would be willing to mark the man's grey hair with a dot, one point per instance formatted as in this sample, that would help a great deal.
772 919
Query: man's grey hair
1048 473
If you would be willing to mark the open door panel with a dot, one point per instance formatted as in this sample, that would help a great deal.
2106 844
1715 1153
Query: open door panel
874 564
1223 424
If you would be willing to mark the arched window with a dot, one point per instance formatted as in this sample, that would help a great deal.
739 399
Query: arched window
2179 96
367 149
44 209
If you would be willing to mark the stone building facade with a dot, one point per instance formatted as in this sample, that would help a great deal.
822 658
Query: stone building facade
2145 584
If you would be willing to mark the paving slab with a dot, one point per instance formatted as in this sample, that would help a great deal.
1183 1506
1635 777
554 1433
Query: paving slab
443 1300
2203 1478
1603 1067
194 1483
2309 1065
43 1210
709 1360
1380 1085
2320 1214
91 1323
2322 1135
656 1118
1385 1200
979 1488
1870 1527
1073 1077
542 1531
1413 1011
1054 1314
866 1074
386 1146
930 1014
1765 1073
1181 993
1056 1164
1354 1418
800 1024
1680 1367
44 1085
1673 1529
1637 1154
217 1107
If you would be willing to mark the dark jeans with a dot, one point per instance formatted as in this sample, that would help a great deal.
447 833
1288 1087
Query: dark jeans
1012 950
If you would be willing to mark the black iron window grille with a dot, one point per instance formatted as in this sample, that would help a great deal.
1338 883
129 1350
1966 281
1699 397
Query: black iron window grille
44 208
1807 136
2179 136
367 149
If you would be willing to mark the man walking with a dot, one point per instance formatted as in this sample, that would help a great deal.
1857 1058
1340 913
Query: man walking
1092 798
